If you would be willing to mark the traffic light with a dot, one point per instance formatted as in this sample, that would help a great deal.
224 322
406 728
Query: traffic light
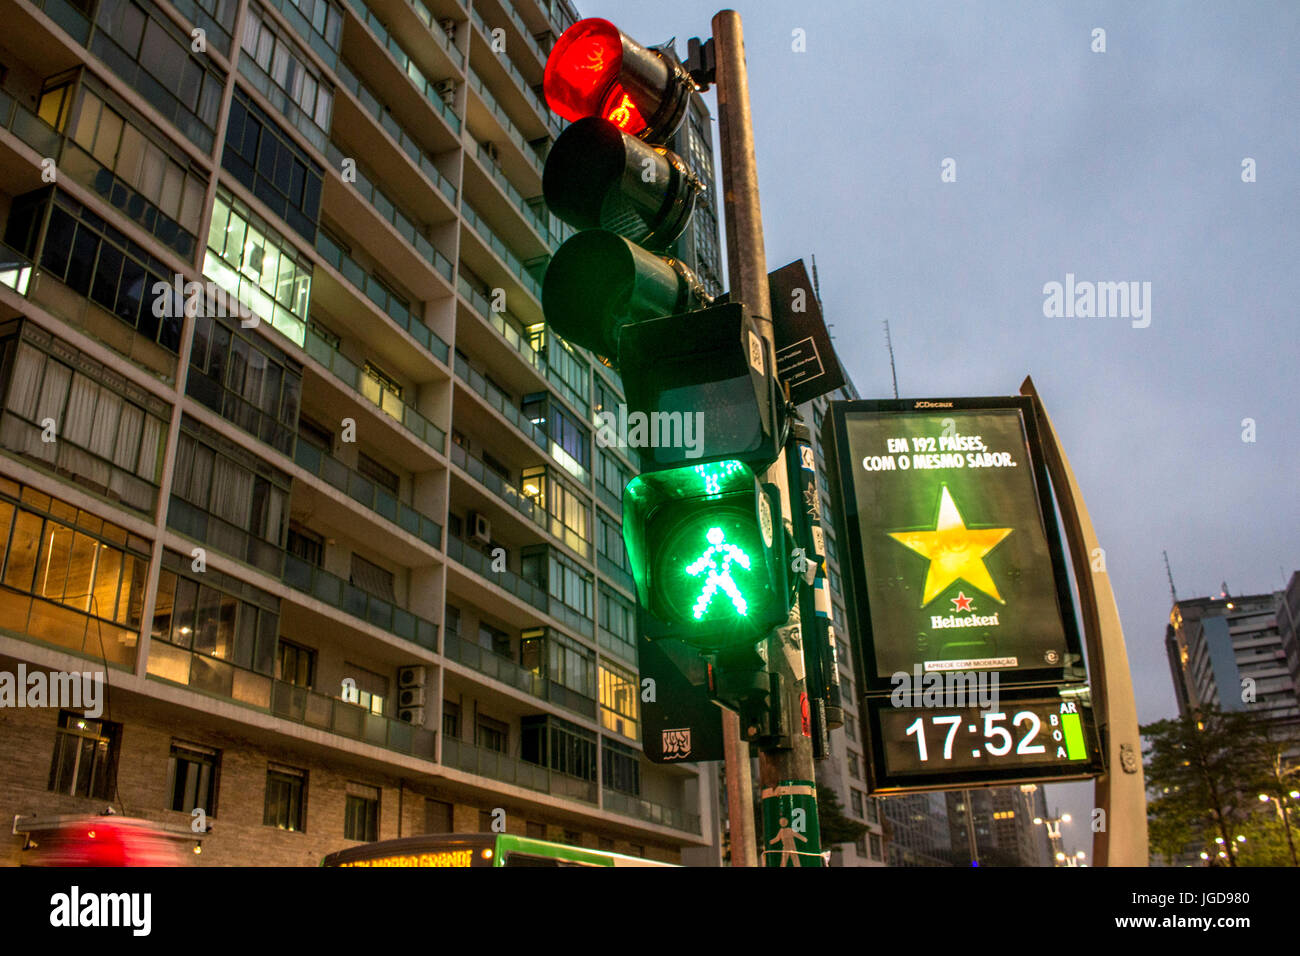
598 282
595 70
707 550
714 365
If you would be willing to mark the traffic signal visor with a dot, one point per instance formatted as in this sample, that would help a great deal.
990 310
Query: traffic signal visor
706 547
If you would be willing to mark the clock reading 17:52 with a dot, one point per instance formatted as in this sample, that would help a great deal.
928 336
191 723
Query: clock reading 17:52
1015 734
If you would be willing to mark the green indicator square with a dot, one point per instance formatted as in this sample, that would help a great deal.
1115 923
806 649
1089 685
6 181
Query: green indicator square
1075 747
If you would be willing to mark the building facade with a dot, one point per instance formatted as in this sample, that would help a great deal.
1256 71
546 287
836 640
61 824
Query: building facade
1237 653
289 453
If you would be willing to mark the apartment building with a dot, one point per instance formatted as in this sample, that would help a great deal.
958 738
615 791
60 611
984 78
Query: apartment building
288 452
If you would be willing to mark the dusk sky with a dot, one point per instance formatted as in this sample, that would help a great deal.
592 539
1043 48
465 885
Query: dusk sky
1122 166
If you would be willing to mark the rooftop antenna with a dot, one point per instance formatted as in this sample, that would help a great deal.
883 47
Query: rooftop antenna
890 345
1170 574
817 288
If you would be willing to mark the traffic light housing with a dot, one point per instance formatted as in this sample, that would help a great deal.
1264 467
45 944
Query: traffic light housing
598 282
598 177
707 548
594 69
714 365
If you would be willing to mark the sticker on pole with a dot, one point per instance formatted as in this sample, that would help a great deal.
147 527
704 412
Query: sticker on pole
756 353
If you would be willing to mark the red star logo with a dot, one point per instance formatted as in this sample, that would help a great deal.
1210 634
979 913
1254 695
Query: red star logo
962 601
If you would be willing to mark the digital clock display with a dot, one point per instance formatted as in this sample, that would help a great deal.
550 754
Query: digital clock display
1048 739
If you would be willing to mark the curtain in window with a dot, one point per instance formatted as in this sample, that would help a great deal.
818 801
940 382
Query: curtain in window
79 422
151 438
232 492
25 383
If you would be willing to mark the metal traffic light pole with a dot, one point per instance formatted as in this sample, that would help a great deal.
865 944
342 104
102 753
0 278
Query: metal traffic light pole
786 776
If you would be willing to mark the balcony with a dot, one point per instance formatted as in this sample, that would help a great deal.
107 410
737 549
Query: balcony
389 212
505 670
406 65
630 806
337 593
500 402
365 386
494 483
549 119
617 646
15 269
207 675
497 766
364 491
372 107
28 127
508 581
512 132
385 301
527 209
508 258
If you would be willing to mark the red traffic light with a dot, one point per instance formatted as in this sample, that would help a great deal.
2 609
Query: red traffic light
596 70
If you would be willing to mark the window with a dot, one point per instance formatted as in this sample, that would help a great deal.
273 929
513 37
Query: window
85 756
611 476
192 778
59 571
372 579
246 381
875 846
377 473
451 618
305 544
262 157
286 798
492 734
849 730
854 770
621 768
125 162
485 821
496 641
361 813
248 258
437 816
618 700
860 844
315 433
451 719
219 616
570 664
295 664
152 55
535 831
570 440
570 514
559 745
228 498
873 812
109 442
855 801
303 94
364 688
617 617
96 261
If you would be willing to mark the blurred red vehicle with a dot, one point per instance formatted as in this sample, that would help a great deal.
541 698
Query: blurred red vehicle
106 841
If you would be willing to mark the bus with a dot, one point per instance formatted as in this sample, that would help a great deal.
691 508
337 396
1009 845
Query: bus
477 849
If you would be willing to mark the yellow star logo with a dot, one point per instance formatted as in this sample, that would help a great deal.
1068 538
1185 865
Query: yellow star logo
954 550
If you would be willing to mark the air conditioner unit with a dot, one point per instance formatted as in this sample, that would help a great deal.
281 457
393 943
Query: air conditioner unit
447 90
412 715
411 676
480 527
410 697
493 152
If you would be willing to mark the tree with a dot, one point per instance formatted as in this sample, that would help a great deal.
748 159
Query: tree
1200 770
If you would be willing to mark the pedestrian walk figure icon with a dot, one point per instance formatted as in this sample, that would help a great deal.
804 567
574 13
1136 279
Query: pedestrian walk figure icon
786 837
716 563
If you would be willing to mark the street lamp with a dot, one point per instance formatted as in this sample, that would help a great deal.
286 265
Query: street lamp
1285 816
1053 825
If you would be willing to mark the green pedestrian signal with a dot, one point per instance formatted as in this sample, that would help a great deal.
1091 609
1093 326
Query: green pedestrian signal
706 545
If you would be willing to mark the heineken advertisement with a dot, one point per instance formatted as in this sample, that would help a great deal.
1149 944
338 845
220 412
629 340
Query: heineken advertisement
952 548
